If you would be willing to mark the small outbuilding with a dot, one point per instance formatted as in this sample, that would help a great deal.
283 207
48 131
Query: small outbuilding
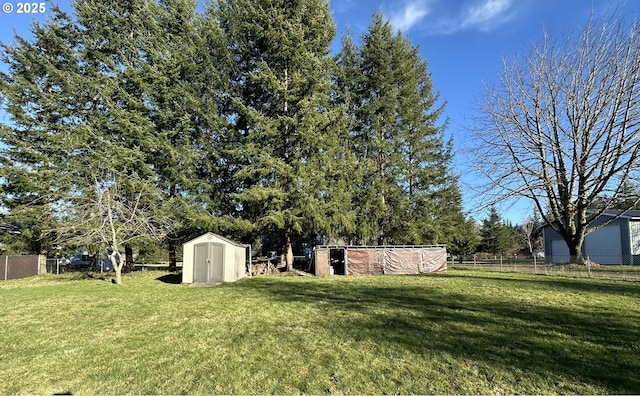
212 259
374 260
615 241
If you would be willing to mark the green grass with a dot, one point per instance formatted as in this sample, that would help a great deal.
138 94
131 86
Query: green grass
616 272
461 333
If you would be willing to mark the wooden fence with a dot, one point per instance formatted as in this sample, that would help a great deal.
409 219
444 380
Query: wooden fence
14 267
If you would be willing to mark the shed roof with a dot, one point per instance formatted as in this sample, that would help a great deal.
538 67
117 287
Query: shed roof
227 240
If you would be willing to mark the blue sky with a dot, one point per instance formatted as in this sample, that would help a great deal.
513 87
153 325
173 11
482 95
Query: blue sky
463 42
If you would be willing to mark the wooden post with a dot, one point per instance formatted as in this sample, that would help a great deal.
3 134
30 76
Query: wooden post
42 264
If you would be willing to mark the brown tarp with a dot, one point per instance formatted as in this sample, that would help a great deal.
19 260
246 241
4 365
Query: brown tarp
365 261
434 260
375 260
322 262
402 261
395 260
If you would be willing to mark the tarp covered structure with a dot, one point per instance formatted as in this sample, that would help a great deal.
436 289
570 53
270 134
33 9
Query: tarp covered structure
373 260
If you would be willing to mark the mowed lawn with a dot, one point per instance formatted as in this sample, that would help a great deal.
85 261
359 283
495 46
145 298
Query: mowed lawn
464 332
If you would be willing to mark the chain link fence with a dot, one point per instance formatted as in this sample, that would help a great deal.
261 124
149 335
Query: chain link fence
628 269
78 263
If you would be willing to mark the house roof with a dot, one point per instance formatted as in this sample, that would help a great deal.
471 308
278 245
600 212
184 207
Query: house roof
629 214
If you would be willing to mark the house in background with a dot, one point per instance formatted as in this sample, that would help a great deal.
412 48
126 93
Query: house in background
615 243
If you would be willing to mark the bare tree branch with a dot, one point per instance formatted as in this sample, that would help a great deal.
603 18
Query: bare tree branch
562 125
111 212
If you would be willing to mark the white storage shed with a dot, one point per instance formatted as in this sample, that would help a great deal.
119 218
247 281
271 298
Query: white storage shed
212 259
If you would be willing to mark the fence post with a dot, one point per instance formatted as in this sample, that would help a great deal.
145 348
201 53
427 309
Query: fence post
42 264
6 267
589 266
500 263
535 265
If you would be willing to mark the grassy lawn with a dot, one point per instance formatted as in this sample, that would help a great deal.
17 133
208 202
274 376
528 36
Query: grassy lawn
464 332
616 272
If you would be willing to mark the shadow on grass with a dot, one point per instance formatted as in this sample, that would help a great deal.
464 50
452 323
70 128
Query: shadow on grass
593 346
580 285
172 279
82 276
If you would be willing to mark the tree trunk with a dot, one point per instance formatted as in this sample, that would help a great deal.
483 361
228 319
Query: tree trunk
117 266
173 263
128 258
288 252
575 253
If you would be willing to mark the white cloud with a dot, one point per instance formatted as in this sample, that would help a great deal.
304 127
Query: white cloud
411 13
343 6
486 14
483 15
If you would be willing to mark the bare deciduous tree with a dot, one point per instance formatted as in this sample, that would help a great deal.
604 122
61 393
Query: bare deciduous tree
561 126
531 233
109 215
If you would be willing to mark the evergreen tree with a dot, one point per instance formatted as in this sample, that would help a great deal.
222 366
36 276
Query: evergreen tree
281 113
78 97
119 41
406 193
377 134
184 106
39 99
465 239
496 236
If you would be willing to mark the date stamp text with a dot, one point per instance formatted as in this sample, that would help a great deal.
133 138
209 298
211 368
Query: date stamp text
24 8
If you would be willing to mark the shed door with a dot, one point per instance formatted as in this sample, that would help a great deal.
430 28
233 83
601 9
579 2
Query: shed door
208 263
216 273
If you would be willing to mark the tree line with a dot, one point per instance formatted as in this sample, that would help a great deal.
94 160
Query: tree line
129 123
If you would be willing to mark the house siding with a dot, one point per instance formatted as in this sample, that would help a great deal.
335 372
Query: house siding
623 255
634 227
634 241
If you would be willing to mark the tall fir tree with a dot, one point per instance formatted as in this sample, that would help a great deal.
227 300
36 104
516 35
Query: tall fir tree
184 106
281 113
36 91
139 102
406 193
86 117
